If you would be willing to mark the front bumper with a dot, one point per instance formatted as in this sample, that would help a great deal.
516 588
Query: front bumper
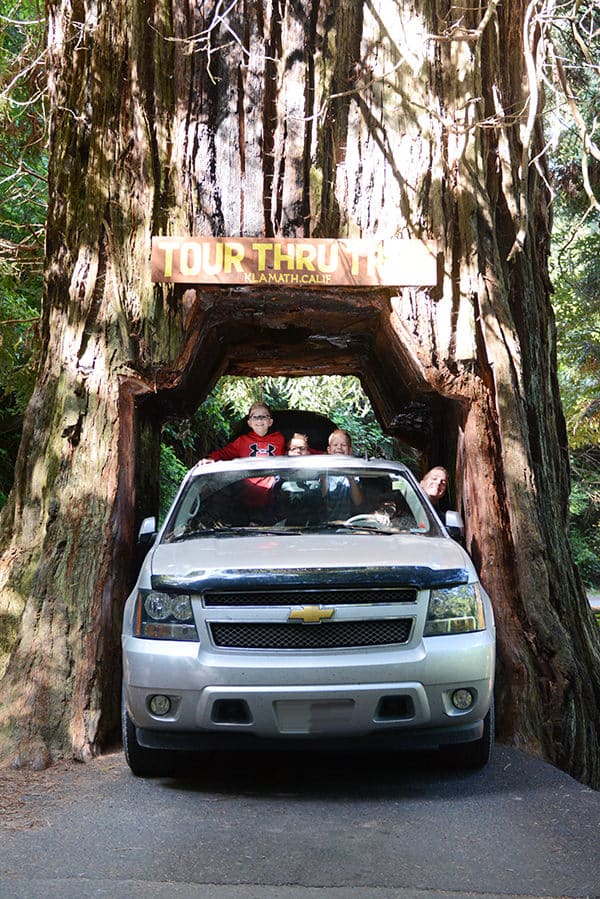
352 697
422 739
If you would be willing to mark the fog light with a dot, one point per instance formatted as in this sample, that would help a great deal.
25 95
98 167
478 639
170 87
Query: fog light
462 699
160 705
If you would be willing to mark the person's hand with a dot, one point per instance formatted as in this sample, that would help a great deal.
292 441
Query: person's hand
201 462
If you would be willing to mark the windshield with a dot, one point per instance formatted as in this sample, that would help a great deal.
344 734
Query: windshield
297 500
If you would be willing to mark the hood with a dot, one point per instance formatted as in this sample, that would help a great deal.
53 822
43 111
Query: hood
333 558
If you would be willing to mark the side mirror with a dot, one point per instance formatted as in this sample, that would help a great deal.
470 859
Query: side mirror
454 525
147 531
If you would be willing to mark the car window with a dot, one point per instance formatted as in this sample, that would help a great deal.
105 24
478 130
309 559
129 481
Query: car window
299 499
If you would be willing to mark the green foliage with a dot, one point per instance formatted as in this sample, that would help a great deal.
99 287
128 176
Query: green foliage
575 262
572 90
584 528
192 438
23 202
172 471
586 549
18 356
576 276
576 273
19 317
574 160
23 159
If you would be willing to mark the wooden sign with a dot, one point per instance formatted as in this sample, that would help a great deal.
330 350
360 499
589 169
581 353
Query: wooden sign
294 262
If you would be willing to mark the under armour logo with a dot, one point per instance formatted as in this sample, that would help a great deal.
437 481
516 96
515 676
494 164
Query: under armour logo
256 450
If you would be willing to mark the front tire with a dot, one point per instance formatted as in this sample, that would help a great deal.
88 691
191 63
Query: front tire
477 754
143 762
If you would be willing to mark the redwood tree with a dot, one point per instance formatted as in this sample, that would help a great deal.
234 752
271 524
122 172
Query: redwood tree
324 119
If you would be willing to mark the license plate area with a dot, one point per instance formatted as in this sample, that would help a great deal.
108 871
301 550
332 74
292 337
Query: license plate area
313 716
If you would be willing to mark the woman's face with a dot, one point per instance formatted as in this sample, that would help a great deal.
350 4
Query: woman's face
435 484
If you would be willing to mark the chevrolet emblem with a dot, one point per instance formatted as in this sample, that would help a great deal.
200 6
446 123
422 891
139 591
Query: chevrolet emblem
310 614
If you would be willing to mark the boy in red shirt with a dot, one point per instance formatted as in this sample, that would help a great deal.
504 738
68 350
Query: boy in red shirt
258 442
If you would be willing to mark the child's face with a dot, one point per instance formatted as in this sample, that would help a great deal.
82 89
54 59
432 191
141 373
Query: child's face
260 421
297 447
339 445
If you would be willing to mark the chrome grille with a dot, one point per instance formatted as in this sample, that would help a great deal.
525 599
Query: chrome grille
302 597
326 635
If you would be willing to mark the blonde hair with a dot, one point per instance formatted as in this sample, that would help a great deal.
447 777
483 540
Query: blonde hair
426 477
340 431
298 436
259 405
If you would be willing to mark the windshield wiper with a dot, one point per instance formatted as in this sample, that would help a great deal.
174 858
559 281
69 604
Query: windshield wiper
190 535
362 527
291 529
237 531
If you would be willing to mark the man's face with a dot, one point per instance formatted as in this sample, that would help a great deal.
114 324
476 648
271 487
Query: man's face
260 421
339 445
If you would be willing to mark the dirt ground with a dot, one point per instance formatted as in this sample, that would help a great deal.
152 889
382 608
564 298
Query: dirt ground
26 796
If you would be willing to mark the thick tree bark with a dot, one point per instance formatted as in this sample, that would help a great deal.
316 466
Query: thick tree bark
300 119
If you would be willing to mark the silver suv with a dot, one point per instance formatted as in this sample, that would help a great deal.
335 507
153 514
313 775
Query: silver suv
298 601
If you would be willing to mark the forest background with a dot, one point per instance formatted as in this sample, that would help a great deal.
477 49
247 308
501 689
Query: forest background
571 123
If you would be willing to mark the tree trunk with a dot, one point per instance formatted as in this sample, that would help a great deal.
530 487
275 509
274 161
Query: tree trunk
306 119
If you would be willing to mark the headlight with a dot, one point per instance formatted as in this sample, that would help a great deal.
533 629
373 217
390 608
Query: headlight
455 610
165 616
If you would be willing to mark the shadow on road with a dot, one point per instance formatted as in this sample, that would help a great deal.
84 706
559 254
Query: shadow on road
312 774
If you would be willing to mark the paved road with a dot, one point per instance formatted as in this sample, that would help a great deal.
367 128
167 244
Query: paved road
302 827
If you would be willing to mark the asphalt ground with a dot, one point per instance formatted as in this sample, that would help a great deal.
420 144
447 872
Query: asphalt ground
309 826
